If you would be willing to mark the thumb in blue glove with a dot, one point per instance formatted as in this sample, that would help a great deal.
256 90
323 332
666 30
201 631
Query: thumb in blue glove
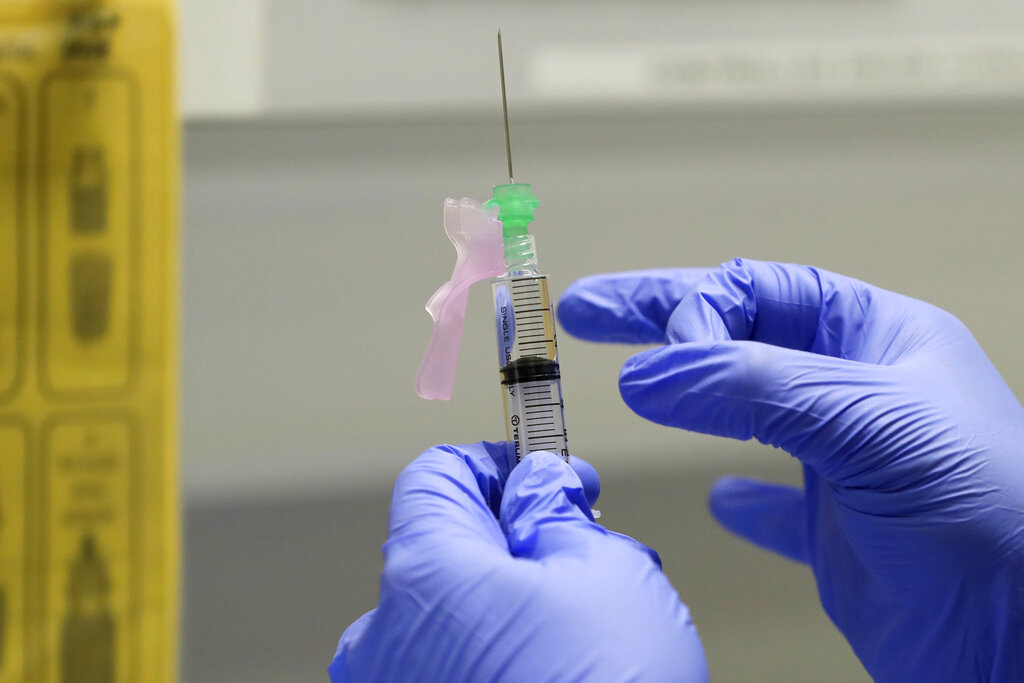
912 509
545 594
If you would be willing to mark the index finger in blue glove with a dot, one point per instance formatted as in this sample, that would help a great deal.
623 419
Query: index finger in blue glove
805 309
814 407
631 307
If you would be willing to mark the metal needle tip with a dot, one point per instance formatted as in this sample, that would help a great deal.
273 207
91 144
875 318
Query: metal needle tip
504 109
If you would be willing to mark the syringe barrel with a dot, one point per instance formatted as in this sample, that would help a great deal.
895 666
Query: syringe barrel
528 364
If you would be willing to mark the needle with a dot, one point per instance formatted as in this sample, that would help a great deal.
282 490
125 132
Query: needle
504 109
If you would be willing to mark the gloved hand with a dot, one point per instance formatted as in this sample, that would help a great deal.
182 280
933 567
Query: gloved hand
546 594
912 510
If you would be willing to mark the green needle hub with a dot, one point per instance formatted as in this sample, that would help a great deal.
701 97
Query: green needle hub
516 205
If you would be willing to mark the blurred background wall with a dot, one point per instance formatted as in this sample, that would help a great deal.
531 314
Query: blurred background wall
884 140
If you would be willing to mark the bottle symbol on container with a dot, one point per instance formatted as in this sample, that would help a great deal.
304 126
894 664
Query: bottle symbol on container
89 279
88 190
87 636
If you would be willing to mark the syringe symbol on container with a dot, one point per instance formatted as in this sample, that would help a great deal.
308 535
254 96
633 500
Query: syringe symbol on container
525 322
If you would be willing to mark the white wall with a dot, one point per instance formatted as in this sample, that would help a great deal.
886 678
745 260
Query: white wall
362 58
221 58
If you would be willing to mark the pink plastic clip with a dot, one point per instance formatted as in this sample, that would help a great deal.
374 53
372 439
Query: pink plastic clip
476 233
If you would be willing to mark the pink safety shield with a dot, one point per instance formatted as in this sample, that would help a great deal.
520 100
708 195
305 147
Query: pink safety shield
476 233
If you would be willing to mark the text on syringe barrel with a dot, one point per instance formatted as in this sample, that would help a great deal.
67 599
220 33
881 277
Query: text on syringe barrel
528 361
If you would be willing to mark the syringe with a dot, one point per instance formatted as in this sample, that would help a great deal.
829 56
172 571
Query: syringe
525 322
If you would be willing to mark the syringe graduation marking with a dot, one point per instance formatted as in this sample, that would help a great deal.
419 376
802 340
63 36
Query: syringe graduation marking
527 301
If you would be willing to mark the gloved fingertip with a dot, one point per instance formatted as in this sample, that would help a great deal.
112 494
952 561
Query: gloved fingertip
640 376
609 308
588 477
726 493
540 472
770 515
640 363
349 639
571 311
543 506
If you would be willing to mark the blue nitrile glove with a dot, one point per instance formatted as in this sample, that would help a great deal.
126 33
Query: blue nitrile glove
912 510
546 594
